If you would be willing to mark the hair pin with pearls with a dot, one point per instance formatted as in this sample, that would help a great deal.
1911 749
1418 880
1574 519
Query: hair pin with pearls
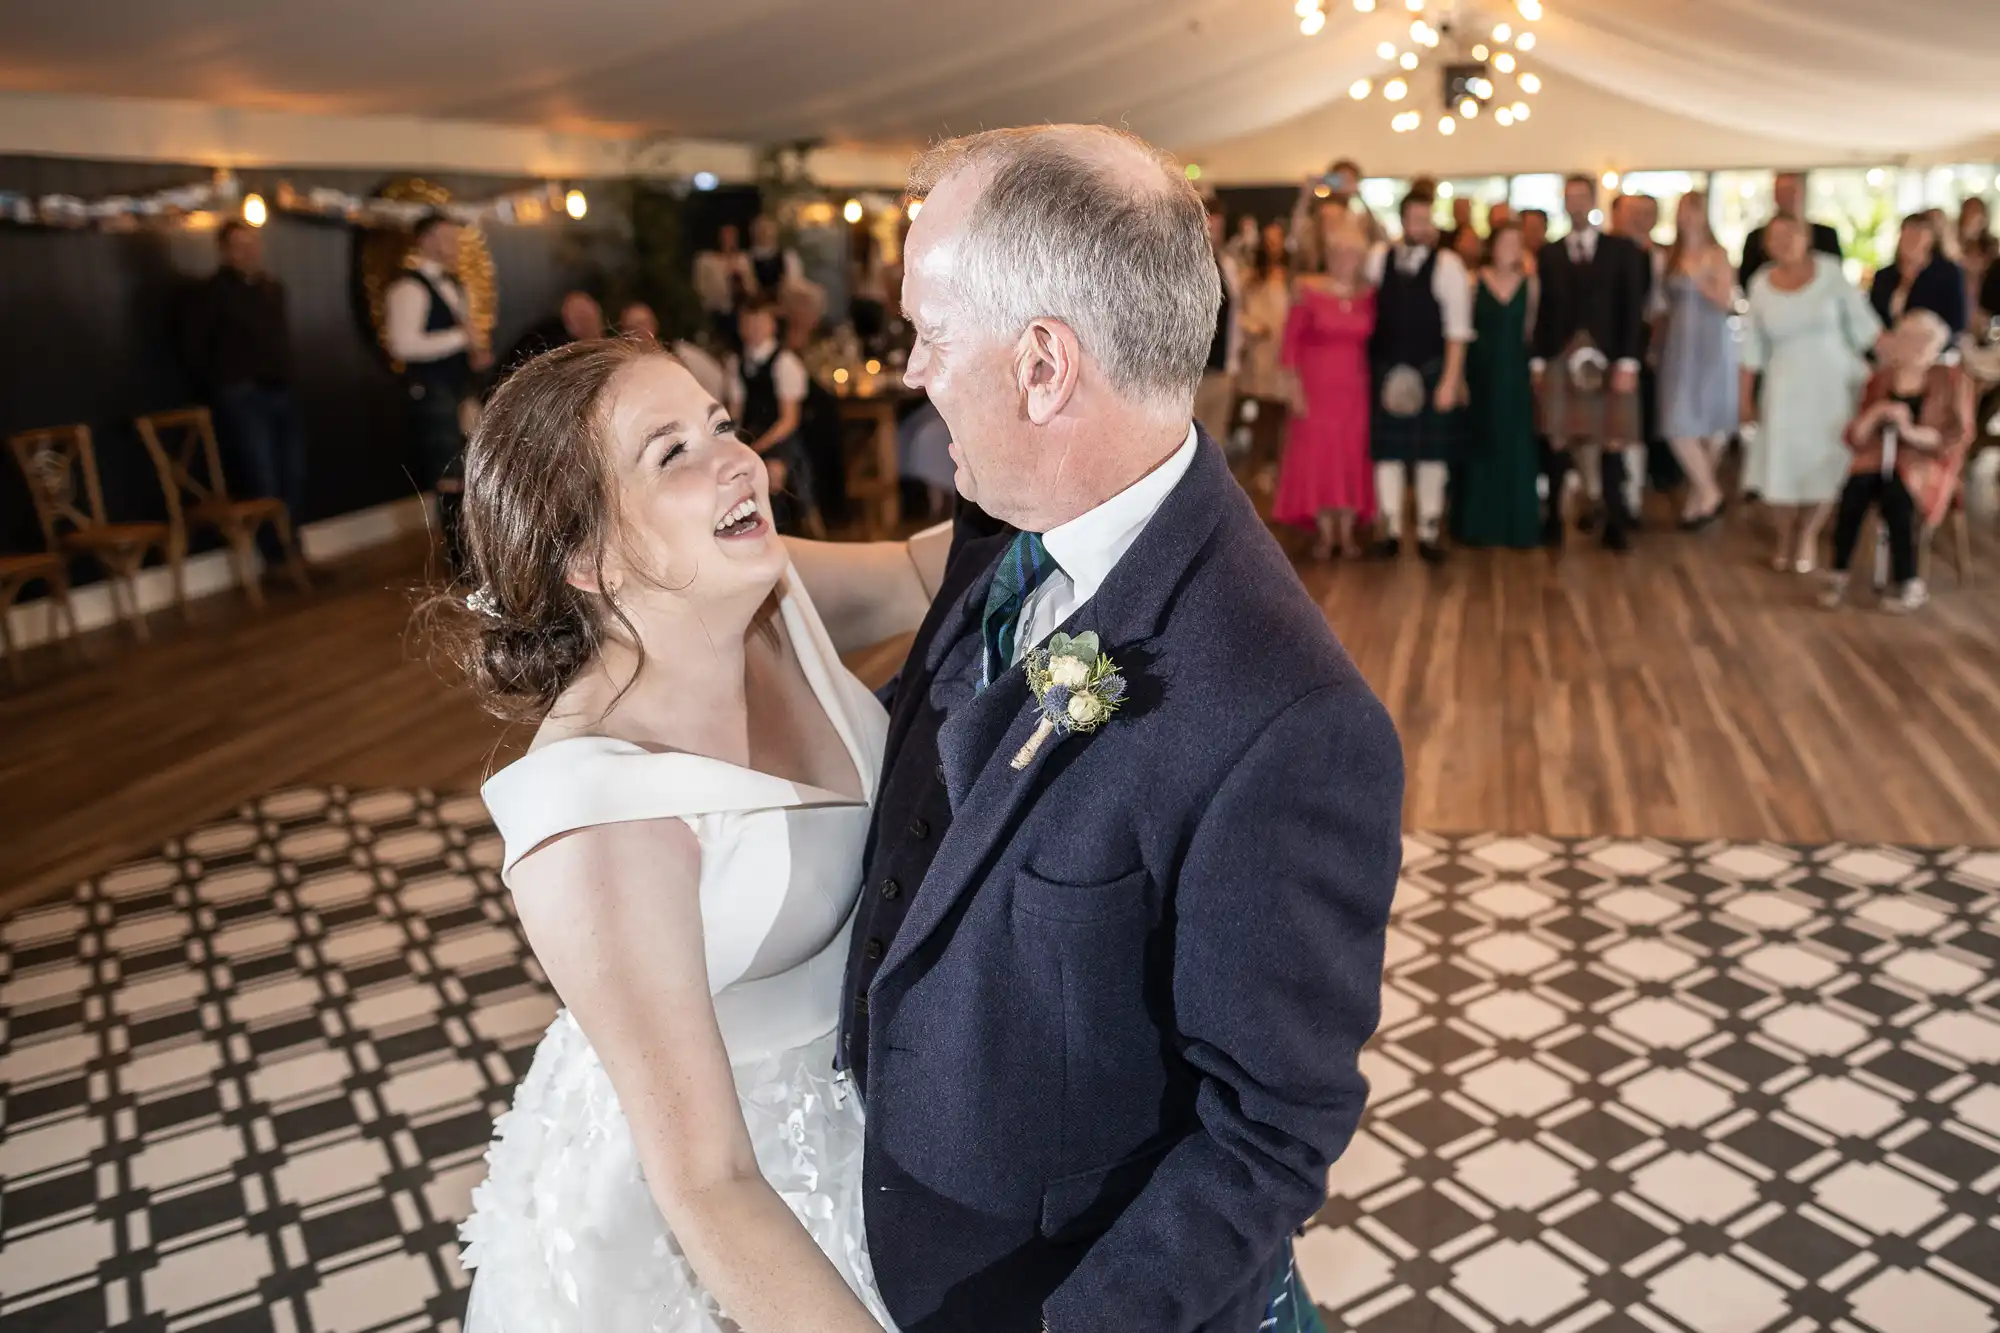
482 601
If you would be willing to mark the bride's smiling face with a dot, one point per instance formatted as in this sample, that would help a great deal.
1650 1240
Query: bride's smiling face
693 500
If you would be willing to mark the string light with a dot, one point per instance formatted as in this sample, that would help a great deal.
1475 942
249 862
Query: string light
1609 180
1192 171
1311 24
1480 52
1469 108
1444 189
1395 90
1364 6
852 210
705 181
1530 83
1504 116
1414 6
911 209
1530 10
1525 42
1409 60
254 211
1502 31
1876 176
840 374
1386 50
1520 110
575 204
1446 125
874 366
1305 7
1504 62
1359 89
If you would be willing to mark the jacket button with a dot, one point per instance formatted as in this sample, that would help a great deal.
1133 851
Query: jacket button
891 890
861 1004
872 951
919 829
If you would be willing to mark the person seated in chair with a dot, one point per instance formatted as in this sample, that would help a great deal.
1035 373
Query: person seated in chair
1909 441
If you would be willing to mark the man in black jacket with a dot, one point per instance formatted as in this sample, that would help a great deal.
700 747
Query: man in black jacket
1788 191
1590 336
236 346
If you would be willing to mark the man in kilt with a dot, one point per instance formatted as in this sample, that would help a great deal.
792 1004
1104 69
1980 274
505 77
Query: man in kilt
1423 321
1590 334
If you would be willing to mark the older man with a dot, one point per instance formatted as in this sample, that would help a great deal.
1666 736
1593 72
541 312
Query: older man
1107 988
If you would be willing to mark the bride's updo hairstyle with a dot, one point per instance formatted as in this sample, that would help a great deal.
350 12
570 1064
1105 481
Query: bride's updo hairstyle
539 503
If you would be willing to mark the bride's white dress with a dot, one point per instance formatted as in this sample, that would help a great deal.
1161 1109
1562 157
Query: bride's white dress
564 1235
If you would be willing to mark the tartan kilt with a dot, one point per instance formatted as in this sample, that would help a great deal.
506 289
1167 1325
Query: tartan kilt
1572 415
1428 437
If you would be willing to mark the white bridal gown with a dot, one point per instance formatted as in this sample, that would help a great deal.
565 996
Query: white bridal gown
564 1235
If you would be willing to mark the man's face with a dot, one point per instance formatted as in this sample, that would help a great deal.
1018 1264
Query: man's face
1579 198
972 375
440 244
1646 217
244 250
1461 213
1419 226
582 317
1789 190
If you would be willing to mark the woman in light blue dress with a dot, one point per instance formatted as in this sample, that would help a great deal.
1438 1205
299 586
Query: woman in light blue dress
1807 331
1699 396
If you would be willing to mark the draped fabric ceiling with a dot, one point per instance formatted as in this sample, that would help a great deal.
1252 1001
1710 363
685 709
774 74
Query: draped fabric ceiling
1230 83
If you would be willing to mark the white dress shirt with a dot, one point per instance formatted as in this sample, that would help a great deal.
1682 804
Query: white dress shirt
707 371
712 273
1089 546
1450 283
405 306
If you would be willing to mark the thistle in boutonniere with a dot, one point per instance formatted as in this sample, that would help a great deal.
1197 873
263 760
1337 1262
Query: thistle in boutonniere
1076 688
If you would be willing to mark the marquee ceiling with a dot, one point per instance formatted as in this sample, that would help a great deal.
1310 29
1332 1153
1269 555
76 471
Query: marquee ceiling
1831 79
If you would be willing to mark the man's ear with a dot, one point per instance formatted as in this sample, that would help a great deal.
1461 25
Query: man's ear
1048 366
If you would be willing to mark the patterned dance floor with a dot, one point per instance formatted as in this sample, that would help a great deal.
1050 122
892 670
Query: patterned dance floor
1620 1085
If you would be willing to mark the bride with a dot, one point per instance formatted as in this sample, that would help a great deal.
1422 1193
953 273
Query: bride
683 843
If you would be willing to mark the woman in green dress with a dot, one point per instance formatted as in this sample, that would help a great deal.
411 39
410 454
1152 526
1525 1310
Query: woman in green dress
1497 503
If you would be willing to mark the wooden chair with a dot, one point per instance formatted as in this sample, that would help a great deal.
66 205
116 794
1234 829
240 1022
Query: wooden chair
53 460
182 443
16 573
1961 548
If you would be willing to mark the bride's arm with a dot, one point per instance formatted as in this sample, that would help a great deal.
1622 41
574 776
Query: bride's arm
867 592
613 913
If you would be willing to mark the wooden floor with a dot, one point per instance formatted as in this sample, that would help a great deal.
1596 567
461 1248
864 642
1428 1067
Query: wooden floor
1686 691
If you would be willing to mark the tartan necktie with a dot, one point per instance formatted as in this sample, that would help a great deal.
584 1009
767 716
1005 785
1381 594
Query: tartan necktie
1024 566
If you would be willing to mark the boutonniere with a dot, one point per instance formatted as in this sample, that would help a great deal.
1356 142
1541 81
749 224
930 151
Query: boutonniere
1076 688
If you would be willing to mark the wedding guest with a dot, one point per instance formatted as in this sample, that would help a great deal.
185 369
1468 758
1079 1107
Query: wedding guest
1590 335
1534 235
578 319
767 393
722 278
1336 190
773 268
638 322
1699 376
1263 379
1922 278
427 327
1788 193
868 287
1496 500
1248 240
1498 216
1909 441
237 346
1423 321
1215 400
1636 217
1977 247
1806 333
1325 483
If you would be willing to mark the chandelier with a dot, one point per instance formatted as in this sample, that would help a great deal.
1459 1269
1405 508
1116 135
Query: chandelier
1480 60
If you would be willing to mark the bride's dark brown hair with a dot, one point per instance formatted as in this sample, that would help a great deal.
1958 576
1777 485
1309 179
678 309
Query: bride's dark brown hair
540 503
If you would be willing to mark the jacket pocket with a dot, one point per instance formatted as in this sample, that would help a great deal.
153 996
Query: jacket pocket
1050 901
1083 1206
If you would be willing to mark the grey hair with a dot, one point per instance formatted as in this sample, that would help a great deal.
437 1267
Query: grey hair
1063 229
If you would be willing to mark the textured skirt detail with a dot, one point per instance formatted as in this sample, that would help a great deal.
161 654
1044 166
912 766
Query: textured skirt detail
564 1236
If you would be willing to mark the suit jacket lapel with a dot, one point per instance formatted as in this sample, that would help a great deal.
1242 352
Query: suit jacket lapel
982 732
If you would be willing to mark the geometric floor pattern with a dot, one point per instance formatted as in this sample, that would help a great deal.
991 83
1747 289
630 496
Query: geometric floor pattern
1619 1085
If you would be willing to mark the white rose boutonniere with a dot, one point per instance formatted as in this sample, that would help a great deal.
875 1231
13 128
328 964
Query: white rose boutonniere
1076 689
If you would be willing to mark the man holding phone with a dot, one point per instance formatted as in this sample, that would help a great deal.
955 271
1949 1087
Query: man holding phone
1339 186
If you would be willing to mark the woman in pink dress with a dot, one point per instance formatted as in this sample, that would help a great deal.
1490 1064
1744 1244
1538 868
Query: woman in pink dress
1328 482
